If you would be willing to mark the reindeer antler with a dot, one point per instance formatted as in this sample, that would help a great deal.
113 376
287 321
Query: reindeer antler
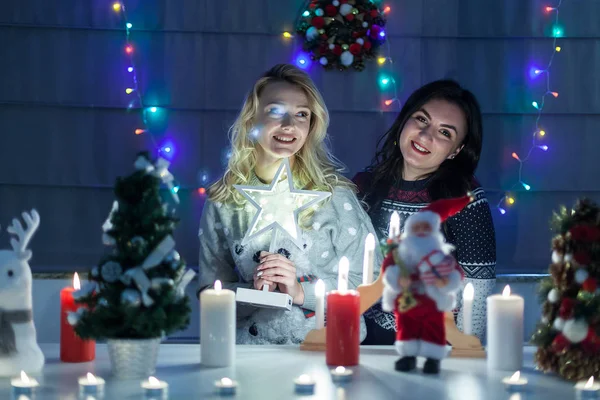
24 235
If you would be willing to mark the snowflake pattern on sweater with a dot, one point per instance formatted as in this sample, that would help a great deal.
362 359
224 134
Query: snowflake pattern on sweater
471 231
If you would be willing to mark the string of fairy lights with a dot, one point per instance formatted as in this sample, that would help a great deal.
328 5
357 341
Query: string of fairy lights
539 133
385 80
165 150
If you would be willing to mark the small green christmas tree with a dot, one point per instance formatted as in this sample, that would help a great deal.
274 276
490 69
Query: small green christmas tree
137 289
568 335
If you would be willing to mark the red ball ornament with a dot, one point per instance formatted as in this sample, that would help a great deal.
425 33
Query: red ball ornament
560 343
324 36
367 45
355 48
374 13
566 308
375 30
349 17
323 49
591 343
590 285
312 6
585 233
318 22
337 50
331 10
582 257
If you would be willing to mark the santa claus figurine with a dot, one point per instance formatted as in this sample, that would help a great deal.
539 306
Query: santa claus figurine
421 279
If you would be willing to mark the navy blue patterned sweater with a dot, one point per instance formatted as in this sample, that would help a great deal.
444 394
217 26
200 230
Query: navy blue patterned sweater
471 231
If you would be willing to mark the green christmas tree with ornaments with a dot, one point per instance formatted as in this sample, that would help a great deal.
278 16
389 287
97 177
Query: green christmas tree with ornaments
568 335
137 289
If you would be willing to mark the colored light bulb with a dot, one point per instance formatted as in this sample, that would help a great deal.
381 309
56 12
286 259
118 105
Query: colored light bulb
129 25
381 60
287 35
130 69
139 131
129 90
306 13
388 102
515 156
542 133
526 186
502 210
117 7
387 10
557 48
510 200
535 104
128 49
543 147
555 94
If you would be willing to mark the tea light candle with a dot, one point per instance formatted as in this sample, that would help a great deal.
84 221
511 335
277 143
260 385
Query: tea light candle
24 384
226 387
467 308
341 374
588 389
515 382
155 388
304 384
91 384
320 308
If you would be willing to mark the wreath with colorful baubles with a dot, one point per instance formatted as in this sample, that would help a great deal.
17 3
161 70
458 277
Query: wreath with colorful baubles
342 34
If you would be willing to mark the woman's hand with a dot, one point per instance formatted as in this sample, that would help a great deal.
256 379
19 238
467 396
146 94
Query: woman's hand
281 271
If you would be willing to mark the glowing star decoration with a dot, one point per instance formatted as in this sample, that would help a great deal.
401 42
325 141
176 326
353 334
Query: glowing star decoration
278 205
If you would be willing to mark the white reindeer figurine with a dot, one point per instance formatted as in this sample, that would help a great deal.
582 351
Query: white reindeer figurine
18 344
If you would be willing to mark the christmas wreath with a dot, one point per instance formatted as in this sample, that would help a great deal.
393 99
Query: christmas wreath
342 33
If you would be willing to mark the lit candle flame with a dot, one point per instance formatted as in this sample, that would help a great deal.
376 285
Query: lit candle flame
91 378
24 377
469 292
320 288
506 291
153 381
226 382
340 370
218 285
304 378
515 376
76 282
589 383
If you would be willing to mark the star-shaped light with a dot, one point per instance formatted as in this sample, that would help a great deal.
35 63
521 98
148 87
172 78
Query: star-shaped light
278 205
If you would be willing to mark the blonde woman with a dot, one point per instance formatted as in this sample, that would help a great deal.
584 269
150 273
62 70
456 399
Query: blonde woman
284 116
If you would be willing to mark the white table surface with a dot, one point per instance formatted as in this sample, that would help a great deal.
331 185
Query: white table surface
267 372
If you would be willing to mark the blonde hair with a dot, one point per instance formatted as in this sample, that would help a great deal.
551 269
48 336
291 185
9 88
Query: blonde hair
315 168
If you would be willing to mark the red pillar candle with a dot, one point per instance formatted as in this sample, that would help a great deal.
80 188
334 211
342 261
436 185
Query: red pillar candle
72 347
342 345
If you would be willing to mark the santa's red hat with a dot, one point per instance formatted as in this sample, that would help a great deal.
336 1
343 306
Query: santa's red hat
438 211
446 208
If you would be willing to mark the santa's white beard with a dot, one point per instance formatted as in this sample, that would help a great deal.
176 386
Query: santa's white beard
414 248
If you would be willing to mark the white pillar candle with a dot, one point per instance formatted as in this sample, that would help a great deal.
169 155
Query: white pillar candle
320 308
217 326
394 229
467 308
343 269
505 331
369 259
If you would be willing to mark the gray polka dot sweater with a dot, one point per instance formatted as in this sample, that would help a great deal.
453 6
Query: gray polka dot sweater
472 233
339 228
